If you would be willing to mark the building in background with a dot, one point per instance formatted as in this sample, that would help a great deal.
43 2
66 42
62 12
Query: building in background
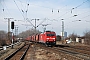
64 34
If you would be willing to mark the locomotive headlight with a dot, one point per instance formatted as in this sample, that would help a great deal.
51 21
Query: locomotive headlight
53 38
47 38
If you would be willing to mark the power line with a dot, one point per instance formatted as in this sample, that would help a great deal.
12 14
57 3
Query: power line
79 5
22 14
24 11
7 8
2 9
22 6
19 9
74 8
85 16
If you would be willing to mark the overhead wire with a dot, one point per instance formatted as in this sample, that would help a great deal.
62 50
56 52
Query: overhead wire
2 10
18 8
27 11
74 8
85 16
22 14
78 14
79 5
58 10
7 9
23 9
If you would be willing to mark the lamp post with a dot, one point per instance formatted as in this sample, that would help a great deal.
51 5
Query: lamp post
62 29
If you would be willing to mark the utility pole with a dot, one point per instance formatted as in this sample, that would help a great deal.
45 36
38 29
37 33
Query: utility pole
35 26
8 27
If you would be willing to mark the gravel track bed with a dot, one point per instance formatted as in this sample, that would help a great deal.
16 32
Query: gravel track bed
8 51
41 52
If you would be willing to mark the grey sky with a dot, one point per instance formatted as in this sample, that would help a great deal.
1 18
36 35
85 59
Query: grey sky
42 9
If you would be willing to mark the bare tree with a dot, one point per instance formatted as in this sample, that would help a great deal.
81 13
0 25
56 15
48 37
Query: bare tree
87 37
87 34
3 37
29 33
73 36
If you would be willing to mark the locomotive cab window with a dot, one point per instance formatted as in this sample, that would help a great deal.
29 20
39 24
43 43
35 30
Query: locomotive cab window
50 34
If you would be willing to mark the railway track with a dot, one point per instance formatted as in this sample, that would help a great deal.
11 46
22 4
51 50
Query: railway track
74 52
79 50
19 54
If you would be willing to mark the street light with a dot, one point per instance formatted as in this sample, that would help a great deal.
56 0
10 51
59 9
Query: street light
62 29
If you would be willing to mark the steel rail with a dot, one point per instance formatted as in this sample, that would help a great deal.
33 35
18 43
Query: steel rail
73 53
10 56
22 57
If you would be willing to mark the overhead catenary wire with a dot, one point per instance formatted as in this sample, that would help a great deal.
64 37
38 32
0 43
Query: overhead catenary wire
22 14
2 9
68 11
79 15
7 9
79 5
23 9
85 16
19 9
39 6
73 9
58 10
26 14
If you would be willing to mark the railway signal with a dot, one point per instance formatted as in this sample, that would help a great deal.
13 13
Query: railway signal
12 27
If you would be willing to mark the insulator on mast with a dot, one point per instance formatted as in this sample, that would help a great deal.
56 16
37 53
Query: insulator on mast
22 11
52 10
58 11
28 4
71 10
3 9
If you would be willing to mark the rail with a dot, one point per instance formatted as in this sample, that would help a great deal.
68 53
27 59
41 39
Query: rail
22 56
73 53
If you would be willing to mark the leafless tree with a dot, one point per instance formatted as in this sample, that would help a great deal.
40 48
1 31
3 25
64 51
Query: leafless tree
73 36
3 37
28 33
87 37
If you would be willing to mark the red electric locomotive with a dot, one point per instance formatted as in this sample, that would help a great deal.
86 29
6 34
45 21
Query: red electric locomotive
48 37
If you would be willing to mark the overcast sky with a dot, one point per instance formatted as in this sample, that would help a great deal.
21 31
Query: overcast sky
49 11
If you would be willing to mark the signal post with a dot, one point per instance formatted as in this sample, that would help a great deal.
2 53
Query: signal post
12 27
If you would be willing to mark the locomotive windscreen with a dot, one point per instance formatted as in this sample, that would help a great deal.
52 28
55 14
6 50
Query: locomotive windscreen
50 34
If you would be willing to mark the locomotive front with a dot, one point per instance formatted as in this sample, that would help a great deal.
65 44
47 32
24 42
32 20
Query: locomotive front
50 38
